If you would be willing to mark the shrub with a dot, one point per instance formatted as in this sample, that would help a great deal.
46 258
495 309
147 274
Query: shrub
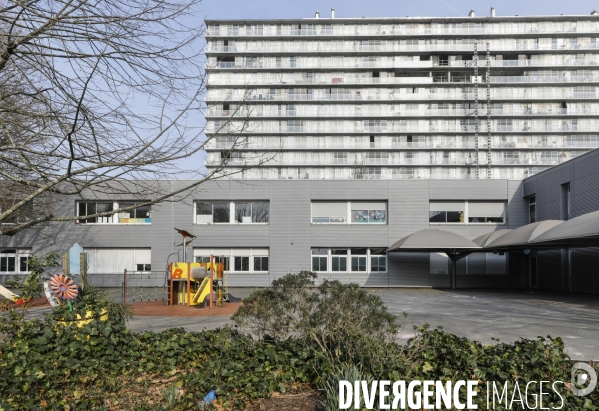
341 322
330 385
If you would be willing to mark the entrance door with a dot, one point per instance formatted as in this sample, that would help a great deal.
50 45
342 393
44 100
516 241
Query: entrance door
533 272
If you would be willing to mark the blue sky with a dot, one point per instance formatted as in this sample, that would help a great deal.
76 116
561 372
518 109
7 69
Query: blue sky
285 9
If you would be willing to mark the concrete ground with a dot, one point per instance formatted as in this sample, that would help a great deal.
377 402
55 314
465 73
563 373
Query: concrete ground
476 314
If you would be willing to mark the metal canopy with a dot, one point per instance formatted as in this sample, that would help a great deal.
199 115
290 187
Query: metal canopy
579 231
452 244
521 236
488 238
434 241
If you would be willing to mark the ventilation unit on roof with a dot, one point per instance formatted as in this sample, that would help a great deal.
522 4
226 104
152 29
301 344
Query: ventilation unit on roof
332 12
472 13
317 15
492 11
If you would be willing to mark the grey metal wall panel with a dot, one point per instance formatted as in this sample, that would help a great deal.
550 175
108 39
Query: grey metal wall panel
408 208
517 206
289 227
349 235
529 186
368 190
409 269
468 189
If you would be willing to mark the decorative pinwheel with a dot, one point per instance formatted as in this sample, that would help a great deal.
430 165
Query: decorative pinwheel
63 287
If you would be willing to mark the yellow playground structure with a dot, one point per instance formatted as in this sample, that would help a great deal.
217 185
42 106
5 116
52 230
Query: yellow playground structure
192 284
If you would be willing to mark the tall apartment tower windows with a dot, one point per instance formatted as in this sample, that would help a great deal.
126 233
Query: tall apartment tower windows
400 105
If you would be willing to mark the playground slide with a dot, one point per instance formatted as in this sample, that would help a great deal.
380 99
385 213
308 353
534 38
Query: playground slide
8 294
202 292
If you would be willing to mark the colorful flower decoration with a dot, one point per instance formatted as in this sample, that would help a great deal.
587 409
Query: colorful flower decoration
63 287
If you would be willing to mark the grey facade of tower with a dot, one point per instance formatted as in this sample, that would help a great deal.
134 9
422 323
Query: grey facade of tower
401 98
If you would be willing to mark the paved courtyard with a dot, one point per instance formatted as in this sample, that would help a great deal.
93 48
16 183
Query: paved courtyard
476 314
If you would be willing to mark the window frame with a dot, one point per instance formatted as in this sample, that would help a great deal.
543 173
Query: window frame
350 217
465 215
252 206
16 255
110 219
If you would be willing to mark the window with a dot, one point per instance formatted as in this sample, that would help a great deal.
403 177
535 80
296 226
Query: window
358 259
378 260
369 213
115 260
446 212
469 212
139 215
7 261
486 212
236 260
243 212
242 264
532 209
352 212
339 260
335 260
22 215
319 259
260 263
329 213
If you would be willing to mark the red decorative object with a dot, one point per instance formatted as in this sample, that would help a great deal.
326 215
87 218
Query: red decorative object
63 287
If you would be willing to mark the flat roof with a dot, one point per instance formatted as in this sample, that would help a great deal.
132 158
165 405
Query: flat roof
411 19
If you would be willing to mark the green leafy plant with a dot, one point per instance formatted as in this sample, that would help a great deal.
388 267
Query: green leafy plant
330 385
343 323
32 286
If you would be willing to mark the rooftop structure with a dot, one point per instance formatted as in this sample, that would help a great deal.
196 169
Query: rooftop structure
401 98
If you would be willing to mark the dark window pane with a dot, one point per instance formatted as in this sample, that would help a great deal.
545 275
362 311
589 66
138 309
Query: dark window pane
339 252
140 267
23 264
374 263
378 251
382 264
242 212
257 265
3 263
358 251
143 212
242 263
204 208
342 263
455 216
355 263
81 209
494 219
476 219
320 251
237 263
260 212
221 213
148 267
104 207
264 263
323 263
11 263
437 216
91 209
315 264
335 263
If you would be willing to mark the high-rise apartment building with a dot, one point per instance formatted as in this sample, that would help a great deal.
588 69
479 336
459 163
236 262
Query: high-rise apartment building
401 98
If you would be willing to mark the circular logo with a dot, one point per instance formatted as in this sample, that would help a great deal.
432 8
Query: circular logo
583 375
